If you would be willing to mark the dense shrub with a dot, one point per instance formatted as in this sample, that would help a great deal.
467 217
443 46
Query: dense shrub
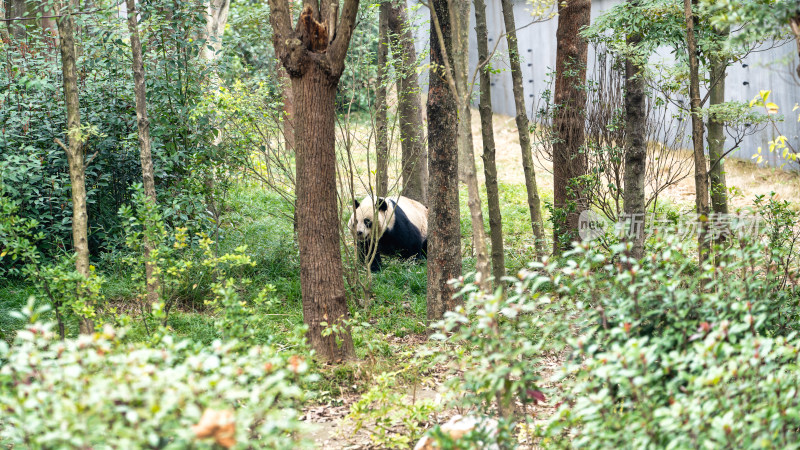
733 389
99 391
32 115
492 345
661 352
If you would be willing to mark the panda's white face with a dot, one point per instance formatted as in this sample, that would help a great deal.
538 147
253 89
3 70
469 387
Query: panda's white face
363 228
365 221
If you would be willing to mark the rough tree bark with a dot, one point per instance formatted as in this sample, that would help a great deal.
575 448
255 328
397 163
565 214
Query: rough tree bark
569 156
444 231
455 74
412 141
534 203
716 137
487 133
145 156
313 54
700 166
75 151
4 14
381 105
288 108
14 9
48 24
635 148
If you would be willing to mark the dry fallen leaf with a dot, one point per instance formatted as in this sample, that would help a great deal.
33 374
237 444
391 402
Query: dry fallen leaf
216 424
294 363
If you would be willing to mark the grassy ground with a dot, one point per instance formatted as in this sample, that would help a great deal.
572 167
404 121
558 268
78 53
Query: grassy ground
390 318
396 304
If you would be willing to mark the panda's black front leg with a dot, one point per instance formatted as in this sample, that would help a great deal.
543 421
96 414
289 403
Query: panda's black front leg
376 263
364 252
361 249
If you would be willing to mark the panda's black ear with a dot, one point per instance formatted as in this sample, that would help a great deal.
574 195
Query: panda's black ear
382 205
356 204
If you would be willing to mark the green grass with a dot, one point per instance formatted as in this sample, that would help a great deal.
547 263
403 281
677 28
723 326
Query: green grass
519 245
14 295
258 219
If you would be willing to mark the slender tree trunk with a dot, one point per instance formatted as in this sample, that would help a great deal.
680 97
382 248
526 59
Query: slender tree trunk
716 138
459 19
412 141
216 19
795 25
444 231
635 150
466 148
534 203
700 166
313 54
487 132
569 155
381 106
75 153
145 156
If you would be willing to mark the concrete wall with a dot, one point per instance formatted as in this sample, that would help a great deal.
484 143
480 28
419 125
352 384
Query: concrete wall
772 69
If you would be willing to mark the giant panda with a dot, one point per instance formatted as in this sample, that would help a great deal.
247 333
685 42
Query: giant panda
400 226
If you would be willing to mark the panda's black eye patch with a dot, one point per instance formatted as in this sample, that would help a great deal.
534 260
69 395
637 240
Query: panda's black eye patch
367 223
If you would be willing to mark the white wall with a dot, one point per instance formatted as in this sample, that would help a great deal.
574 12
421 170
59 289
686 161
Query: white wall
772 69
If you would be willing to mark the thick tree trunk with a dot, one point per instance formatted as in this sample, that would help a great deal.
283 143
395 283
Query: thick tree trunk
534 203
487 132
145 156
444 231
635 151
15 9
716 140
700 166
321 270
48 24
288 108
75 153
4 14
381 106
569 156
415 157
313 54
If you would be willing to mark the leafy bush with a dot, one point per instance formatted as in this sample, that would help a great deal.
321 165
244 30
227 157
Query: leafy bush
672 354
32 115
99 391
71 294
733 389
493 345
662 352
395 419
185 267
